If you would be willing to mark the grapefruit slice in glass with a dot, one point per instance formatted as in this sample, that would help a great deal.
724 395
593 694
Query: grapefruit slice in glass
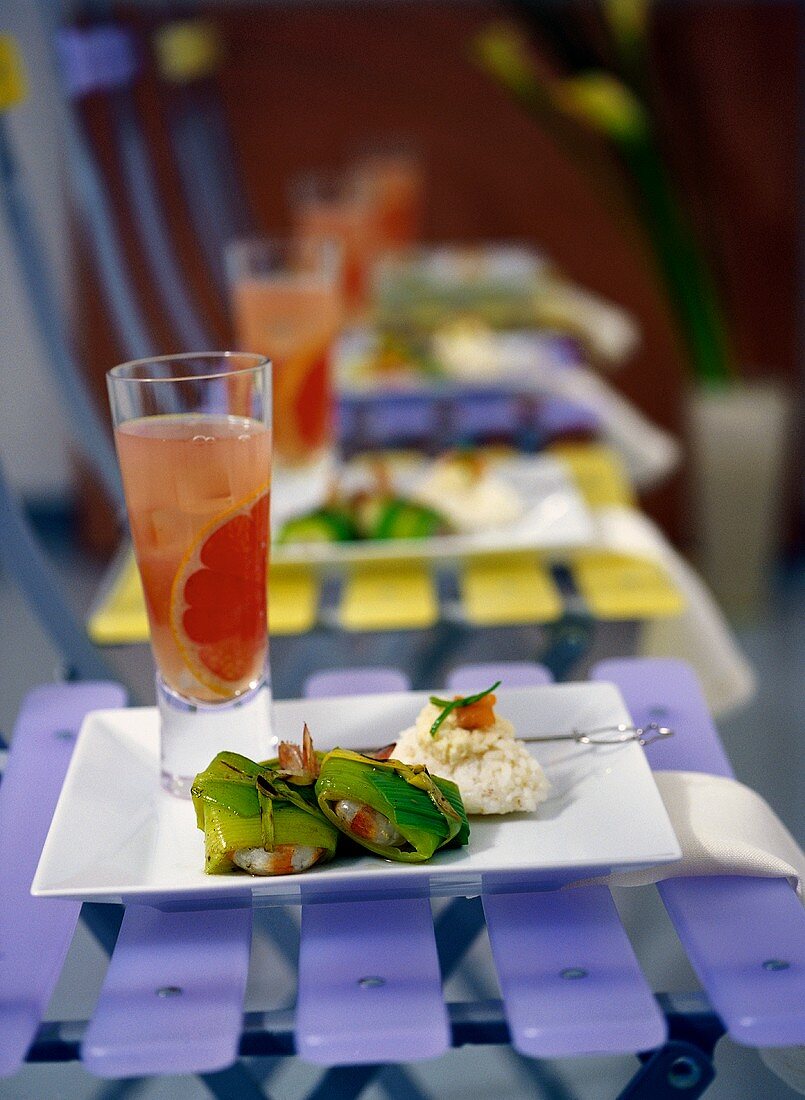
218 599
302 397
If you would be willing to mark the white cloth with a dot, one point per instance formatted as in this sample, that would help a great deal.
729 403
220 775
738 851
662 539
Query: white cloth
700 635
723 828
649 453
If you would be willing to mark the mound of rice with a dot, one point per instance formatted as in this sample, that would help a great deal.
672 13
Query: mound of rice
494 771
472 499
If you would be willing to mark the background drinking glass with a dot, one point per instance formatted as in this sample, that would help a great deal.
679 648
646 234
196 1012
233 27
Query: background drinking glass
390 176
286 303
331 207
193 437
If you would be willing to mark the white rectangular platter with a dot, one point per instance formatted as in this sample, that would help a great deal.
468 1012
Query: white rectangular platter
515 362
554 518
117 837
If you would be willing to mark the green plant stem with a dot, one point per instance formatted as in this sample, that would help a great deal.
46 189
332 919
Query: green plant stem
689 285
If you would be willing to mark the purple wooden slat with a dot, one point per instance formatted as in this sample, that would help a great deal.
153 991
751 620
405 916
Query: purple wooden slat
369 984
667 691
400 420
354 681
172 1001
557 417
513 674
348 422
35 933
570 981
745 937
484 415
612 1007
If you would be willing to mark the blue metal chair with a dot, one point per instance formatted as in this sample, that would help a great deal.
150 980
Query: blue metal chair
27 565
103 59
91 432
204 152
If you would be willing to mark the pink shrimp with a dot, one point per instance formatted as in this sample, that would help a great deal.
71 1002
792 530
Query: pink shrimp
370 824
285 859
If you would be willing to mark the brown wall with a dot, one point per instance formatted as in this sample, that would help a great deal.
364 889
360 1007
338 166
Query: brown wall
305 85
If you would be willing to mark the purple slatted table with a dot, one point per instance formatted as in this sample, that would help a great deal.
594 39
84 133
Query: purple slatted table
35 933
355 681
370 990
576 989
744 936
172 999
470 678
403 421
478 418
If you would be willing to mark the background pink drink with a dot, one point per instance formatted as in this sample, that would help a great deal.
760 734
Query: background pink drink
327 207
394 184
295 321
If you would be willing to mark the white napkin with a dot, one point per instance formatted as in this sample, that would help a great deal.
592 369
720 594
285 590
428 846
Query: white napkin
611 332
700 635
649 453
726 828
723 828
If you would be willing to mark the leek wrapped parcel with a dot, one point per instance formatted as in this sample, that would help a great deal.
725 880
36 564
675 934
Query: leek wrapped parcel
260 818
398 811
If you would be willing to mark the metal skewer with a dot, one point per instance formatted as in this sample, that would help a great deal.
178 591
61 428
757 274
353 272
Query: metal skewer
610 735
602 735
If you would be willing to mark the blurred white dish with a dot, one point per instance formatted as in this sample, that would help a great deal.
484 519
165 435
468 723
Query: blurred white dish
554 517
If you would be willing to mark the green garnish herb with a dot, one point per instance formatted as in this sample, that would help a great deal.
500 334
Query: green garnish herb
450 705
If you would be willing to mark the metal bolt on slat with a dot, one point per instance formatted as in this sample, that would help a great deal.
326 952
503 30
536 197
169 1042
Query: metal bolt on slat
684 1073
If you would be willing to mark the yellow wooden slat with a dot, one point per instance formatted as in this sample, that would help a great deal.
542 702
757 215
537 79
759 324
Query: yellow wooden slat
504 590
398 596
121 619
293 600
597 471
13 82
619 586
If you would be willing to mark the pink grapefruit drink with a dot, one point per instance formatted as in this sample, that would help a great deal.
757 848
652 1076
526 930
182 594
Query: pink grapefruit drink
349 223
328 208
295 322
394 185
197 494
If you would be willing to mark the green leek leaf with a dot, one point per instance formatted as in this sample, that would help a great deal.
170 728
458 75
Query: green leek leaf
407 795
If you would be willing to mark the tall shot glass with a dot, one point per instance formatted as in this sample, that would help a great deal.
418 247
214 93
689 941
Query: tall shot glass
193 437
287 304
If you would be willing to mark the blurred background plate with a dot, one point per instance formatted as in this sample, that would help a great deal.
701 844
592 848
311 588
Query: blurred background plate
555 518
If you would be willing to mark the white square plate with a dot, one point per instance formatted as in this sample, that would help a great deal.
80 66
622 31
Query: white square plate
116 836
554 518
502 362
